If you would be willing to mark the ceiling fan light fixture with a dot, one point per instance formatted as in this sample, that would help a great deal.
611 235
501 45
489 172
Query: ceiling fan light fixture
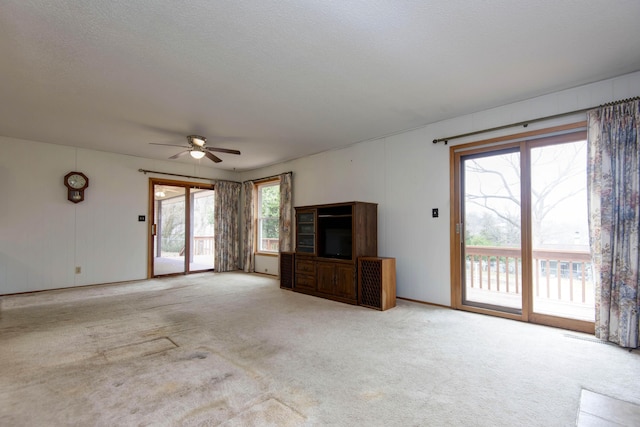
197 140
197 154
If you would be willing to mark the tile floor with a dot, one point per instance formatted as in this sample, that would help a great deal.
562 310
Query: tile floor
602 411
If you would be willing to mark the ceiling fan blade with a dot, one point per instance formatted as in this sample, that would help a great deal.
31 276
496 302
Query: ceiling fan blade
182 153
212 157
222 150
169 145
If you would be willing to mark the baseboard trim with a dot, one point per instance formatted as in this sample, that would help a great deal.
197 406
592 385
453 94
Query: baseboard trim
274 276
424 302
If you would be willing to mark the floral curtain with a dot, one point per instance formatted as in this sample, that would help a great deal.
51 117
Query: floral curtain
284 235
248 259
226 238
614 217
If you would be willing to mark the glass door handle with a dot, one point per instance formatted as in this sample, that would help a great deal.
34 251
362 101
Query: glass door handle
153 229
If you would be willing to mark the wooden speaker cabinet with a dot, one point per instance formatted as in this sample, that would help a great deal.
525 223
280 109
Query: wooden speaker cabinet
287 269
377 282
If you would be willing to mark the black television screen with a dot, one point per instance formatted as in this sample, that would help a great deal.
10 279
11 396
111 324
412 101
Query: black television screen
337 243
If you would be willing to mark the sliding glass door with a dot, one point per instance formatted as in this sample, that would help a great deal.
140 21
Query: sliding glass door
561 260
520 244
201 231
491 228
181 232
169 223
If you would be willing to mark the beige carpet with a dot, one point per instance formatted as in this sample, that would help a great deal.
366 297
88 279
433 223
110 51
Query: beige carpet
236 350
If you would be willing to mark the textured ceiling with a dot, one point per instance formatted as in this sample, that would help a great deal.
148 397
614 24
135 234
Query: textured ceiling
283 79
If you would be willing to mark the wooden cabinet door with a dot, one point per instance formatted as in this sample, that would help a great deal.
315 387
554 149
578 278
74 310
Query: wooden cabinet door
306 231
345 284
326 277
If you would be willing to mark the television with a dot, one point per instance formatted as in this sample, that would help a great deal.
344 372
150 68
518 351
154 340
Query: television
336 243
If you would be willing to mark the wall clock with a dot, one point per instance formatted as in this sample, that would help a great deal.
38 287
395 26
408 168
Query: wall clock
76 183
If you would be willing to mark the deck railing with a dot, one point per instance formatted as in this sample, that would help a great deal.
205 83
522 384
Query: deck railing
269 244
202 245
558 274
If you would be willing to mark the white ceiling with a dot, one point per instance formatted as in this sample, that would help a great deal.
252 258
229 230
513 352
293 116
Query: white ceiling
279 80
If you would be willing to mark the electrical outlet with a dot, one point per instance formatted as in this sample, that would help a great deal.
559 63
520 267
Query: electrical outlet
78 270
434 212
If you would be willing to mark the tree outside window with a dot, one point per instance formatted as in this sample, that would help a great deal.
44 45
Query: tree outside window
268 216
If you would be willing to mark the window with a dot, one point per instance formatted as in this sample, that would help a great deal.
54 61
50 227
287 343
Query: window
268 216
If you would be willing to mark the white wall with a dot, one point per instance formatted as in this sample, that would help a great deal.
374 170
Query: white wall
408 175
43 237
268 265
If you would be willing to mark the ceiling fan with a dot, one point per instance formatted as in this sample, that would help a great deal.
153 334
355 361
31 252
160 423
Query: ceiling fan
198 149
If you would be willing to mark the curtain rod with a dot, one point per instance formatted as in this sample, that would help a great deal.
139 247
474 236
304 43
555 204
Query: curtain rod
266 177
526 123
146 171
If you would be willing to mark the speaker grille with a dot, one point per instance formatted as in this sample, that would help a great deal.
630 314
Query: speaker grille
370 280
286 270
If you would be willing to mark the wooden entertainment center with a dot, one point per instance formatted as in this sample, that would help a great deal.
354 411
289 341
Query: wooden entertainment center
329 240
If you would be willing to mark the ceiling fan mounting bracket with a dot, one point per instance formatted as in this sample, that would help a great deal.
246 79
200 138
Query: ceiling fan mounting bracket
197 140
